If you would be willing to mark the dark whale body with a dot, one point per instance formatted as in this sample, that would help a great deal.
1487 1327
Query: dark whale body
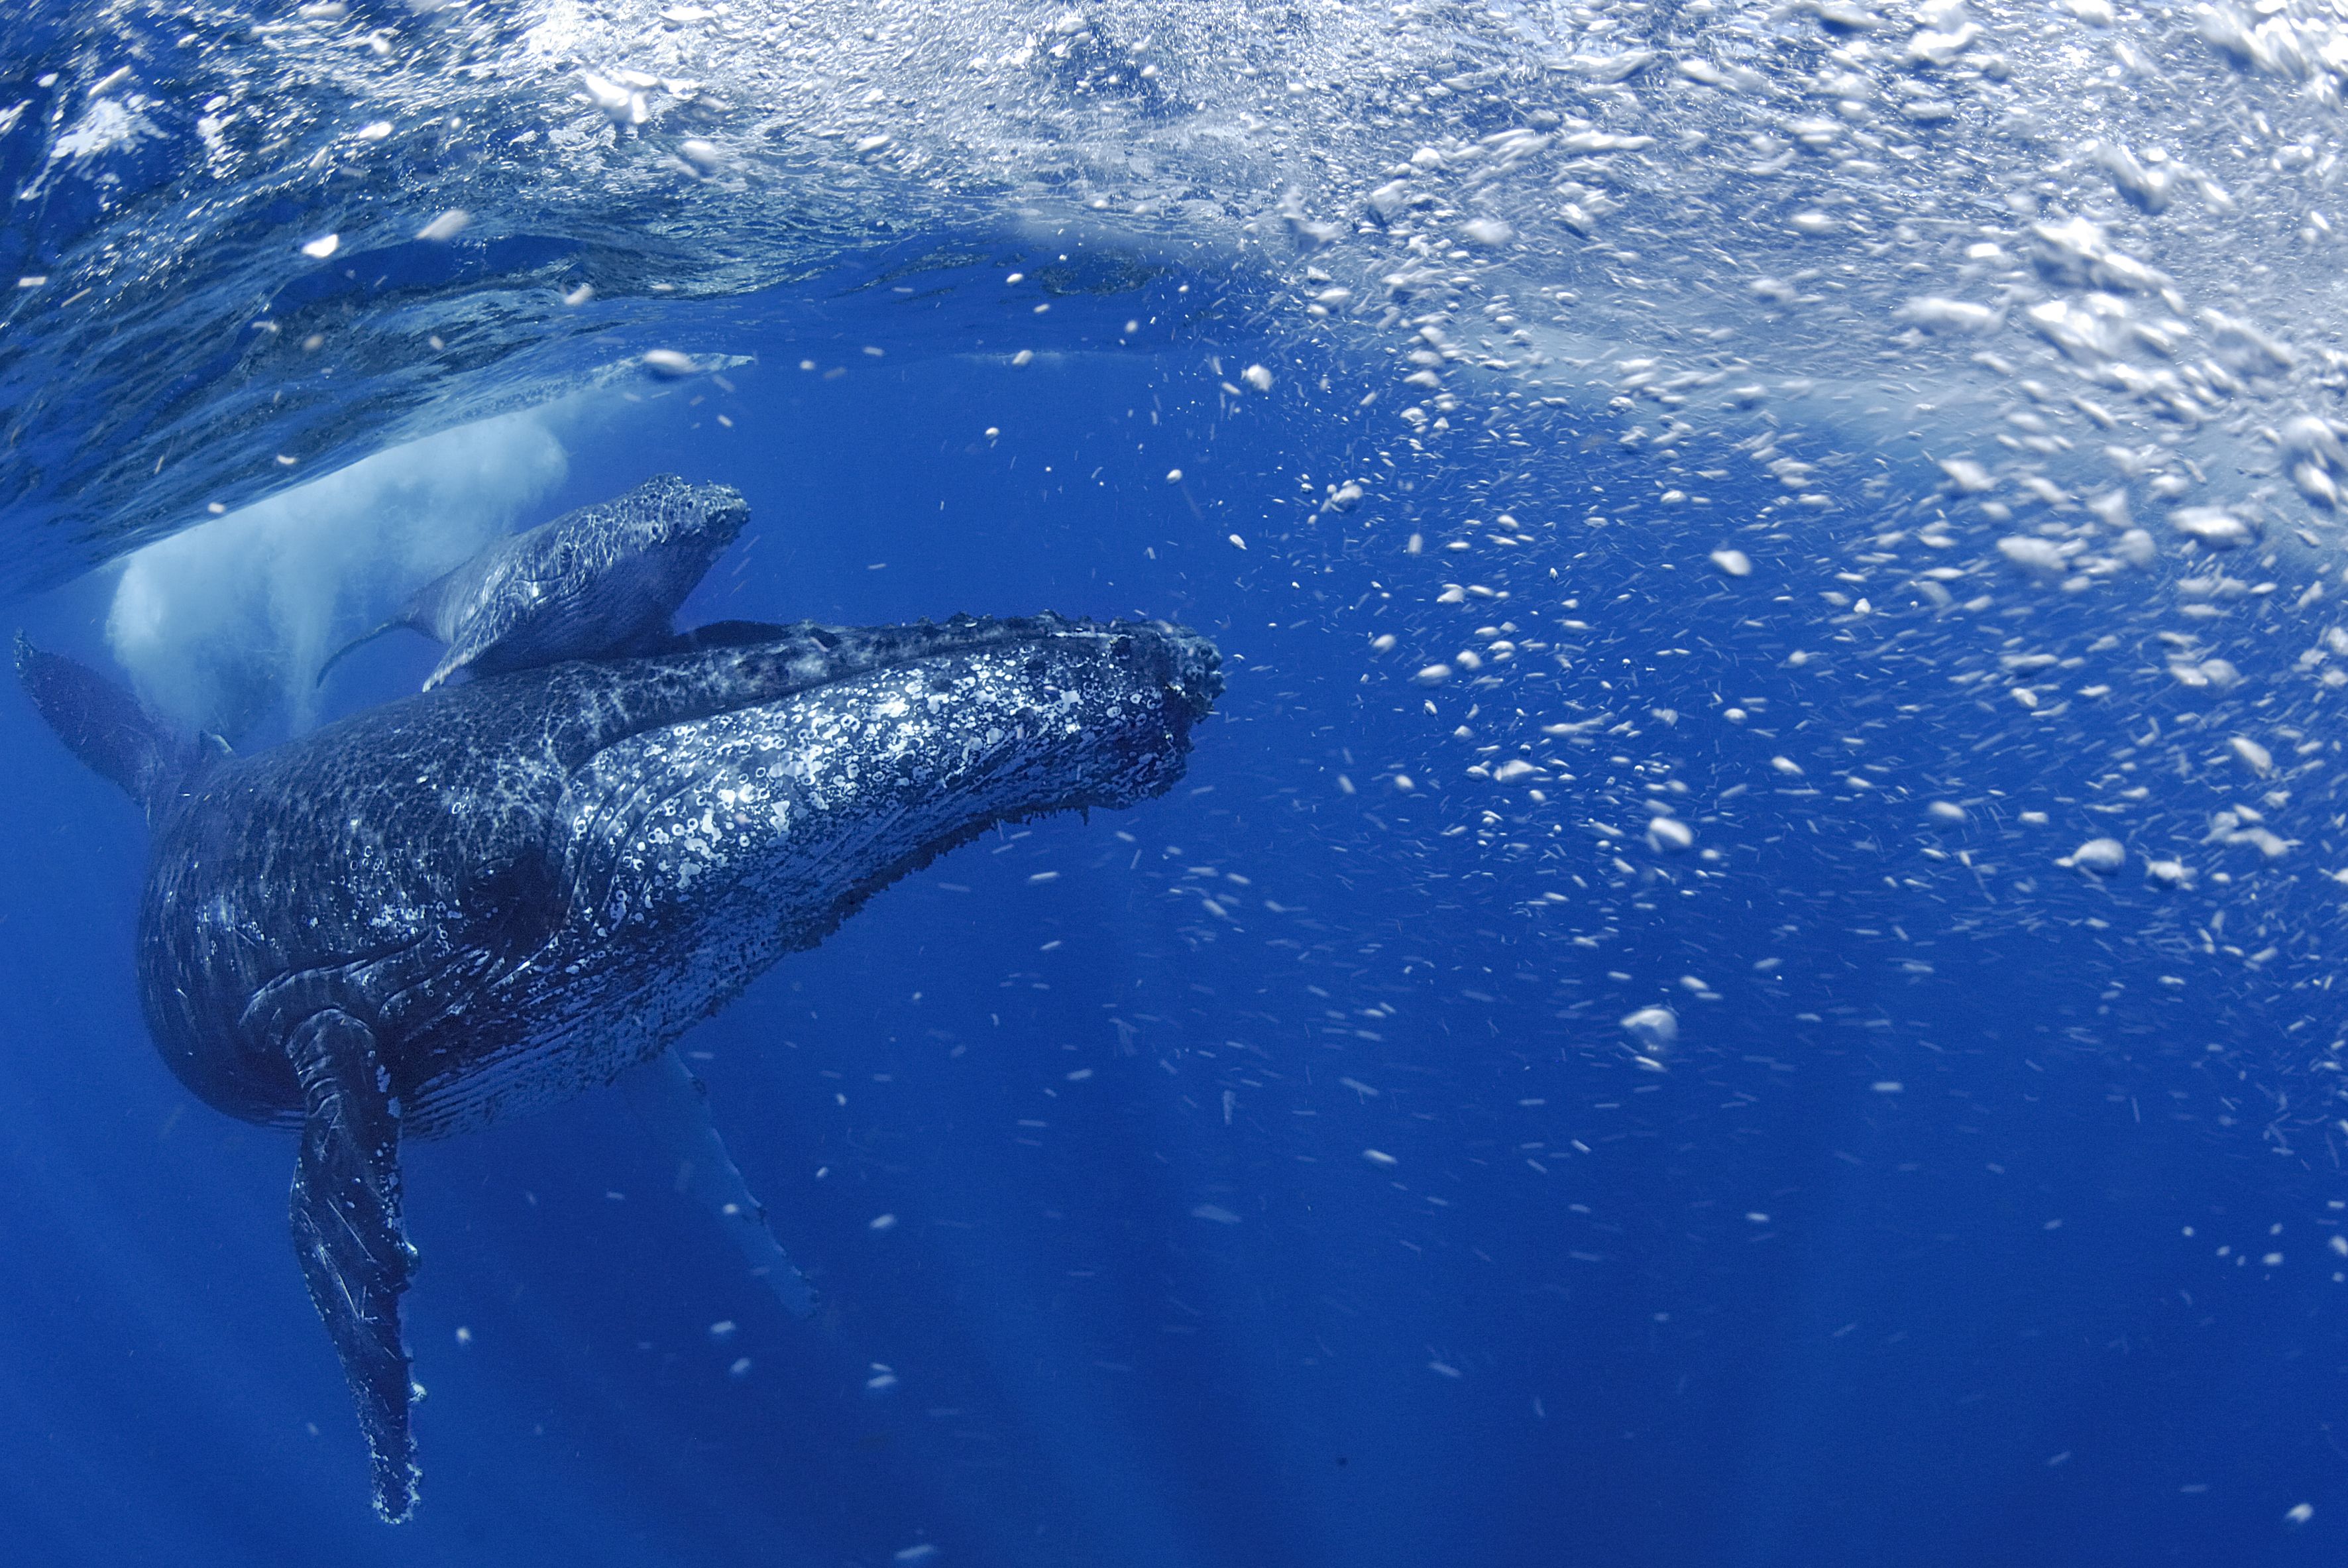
498 894
598 583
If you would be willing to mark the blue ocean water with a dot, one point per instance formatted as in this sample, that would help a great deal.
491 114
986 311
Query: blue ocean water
1279 1171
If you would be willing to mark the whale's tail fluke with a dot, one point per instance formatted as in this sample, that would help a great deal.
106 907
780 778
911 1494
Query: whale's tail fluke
106 726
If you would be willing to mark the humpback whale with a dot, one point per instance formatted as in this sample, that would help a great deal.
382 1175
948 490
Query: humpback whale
494 895
599 580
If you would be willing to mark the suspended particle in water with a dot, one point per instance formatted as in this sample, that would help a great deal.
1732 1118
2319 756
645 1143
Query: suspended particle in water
1657 1029
2101 856
1668 834
2211 526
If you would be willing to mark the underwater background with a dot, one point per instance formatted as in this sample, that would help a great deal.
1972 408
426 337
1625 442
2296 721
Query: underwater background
1742 976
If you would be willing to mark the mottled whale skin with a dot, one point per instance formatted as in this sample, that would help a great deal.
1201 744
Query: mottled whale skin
599 582
492 896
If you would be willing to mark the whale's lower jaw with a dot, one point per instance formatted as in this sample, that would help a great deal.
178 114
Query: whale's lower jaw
694 856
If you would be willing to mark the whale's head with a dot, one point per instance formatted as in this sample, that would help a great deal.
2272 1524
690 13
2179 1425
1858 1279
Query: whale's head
857 755
667 510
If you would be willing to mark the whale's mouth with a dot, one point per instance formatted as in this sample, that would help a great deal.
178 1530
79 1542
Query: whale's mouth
687 856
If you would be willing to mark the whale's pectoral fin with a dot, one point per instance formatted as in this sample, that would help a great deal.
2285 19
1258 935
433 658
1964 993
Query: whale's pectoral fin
669 1099
460 654
486 631
348 1235
355 644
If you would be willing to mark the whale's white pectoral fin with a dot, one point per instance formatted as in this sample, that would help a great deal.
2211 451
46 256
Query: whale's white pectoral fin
460 654
439 674
668 1099
349 1237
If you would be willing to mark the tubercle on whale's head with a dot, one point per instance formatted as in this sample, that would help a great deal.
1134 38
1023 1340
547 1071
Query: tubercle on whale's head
1194 667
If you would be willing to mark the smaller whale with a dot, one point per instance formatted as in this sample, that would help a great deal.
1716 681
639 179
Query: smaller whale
602 581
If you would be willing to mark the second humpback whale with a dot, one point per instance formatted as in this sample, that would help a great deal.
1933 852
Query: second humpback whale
592 583
497 894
